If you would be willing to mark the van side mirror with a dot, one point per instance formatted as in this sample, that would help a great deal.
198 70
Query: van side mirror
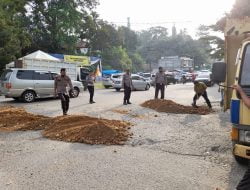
218 72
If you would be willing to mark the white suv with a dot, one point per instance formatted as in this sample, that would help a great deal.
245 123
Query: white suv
28 85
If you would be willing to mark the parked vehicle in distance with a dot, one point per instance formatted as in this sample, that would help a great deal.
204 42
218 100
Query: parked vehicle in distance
106 81
147 77
139 83
27 85
106 77
171 78
206 78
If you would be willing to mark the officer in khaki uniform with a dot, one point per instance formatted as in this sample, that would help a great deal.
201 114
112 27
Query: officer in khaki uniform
127 85
160 83
60 88
200 90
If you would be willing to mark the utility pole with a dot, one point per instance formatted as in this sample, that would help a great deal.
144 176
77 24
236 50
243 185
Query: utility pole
128 23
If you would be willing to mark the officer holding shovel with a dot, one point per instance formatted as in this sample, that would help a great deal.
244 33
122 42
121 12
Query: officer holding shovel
200 90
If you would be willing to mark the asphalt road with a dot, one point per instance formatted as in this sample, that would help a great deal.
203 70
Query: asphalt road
170 151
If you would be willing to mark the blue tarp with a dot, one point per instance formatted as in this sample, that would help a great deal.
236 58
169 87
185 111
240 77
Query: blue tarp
110 72
57 55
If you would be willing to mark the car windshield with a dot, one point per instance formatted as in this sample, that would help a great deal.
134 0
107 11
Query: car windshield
245 77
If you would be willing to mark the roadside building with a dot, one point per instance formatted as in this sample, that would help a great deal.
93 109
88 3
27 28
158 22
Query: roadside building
171 63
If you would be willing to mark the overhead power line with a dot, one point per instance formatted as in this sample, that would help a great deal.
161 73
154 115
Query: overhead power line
152 23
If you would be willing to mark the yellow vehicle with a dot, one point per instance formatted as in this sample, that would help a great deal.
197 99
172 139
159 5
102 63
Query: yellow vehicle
236 71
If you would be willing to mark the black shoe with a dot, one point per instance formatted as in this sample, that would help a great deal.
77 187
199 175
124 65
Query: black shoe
92 102
124 103
194 105
65 113
129 103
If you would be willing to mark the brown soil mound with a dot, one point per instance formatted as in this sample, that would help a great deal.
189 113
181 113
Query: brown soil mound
168 106
82 129
88 130
17 119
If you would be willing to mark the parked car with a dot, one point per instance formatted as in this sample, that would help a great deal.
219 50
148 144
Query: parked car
206 78
106 81
139 83
27 85
171 78
147 77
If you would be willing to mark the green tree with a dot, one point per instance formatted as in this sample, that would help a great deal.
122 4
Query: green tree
106 36
116 58
128 38
57 25
137 62
13 34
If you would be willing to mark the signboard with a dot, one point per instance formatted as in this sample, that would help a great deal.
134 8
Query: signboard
83 60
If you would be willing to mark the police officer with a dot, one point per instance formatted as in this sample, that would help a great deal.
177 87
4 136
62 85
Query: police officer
61 82
160 83
90 80
127 85
200 90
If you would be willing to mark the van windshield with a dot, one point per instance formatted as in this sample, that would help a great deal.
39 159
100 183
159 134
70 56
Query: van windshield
6 75
245 69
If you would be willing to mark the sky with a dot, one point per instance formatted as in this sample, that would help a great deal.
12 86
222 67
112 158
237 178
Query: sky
144 14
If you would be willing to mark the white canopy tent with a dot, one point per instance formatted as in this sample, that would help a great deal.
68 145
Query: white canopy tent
39 55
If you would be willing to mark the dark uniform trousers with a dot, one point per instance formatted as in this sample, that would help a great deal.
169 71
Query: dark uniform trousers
127 93
64 101
159 87
204 95
245 182
91 90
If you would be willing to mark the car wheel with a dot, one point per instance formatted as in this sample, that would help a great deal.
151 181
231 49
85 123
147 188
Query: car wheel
117 89
76 92
28 96
147 87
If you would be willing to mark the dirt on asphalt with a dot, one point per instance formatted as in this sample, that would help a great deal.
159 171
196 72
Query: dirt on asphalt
17 119
169 106
83 129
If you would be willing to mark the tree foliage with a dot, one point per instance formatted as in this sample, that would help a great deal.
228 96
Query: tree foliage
13 34
117 58
56 25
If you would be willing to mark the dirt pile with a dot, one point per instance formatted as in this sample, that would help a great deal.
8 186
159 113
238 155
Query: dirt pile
17 119
88 130
169 106
73 128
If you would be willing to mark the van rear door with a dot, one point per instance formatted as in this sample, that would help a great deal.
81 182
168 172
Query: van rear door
5 81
